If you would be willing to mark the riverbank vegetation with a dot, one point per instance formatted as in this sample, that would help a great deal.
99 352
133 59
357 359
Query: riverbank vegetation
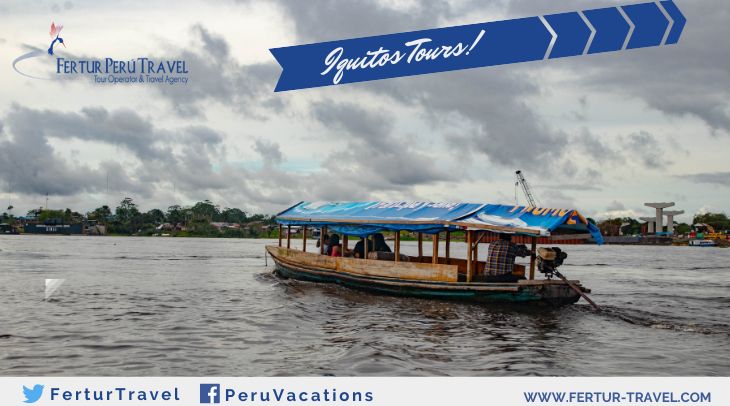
203 219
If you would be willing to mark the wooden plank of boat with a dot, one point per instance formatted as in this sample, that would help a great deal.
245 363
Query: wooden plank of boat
372 280
403 270
368 267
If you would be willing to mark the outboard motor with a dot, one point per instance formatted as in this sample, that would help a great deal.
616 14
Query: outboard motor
549 259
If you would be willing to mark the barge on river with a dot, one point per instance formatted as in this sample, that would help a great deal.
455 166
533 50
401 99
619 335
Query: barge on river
435 275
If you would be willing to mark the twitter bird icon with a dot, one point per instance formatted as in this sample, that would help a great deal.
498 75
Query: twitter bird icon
32 395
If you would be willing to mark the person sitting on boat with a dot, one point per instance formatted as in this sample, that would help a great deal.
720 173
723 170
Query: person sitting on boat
501 259
379 243
335 246
326 240
359 250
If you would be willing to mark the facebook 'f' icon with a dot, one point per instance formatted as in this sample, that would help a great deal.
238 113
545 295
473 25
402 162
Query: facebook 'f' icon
210 393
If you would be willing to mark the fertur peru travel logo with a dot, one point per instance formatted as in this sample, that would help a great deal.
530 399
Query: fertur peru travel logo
32 395
55 32
50 65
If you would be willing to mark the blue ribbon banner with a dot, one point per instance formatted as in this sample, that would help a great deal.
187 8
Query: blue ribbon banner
478 45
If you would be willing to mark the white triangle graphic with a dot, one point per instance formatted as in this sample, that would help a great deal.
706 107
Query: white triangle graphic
52 285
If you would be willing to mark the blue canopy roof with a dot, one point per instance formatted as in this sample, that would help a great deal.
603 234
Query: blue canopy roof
365 218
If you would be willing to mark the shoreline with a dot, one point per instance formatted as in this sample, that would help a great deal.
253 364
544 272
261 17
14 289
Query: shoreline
720 243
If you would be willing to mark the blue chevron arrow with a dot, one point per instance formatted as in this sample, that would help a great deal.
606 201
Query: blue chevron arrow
678 22
572 34
615 28
651 25
611 29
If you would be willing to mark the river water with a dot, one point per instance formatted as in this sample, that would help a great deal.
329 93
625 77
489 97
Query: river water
184 306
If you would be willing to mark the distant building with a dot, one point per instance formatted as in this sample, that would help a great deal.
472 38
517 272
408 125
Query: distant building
222 225
63 229
6 228
54 225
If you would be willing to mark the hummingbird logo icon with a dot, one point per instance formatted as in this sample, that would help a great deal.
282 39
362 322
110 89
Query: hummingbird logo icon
32 395
55 32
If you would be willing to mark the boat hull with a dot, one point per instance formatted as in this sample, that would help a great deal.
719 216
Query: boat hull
534 292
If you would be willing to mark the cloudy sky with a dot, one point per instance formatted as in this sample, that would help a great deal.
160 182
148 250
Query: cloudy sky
603 133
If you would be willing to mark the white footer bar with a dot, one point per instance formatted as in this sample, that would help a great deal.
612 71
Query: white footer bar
507 391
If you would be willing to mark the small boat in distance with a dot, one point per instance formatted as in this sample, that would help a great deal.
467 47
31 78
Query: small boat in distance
433 276
702 243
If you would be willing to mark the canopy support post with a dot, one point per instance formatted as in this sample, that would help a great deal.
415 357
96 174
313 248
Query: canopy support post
281 227
533 257
304 239
448 247
365 248
420 246
288 237
344 244
397 246
476 252
435 255
322 232
469 265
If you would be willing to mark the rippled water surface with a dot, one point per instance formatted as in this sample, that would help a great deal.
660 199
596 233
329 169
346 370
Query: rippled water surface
166 306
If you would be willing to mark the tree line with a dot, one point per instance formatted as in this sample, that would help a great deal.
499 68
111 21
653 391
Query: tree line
203 219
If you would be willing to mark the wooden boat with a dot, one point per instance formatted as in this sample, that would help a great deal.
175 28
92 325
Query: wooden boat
433 276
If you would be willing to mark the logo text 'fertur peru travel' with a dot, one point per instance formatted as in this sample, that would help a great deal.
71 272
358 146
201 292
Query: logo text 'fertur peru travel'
106 70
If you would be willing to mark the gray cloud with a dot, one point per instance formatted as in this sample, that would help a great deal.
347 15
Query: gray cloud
201 134
371 126
361 17
557 198
383 158
123 128
577 187
646 149
596 149
189 160
679 80
503 126
29 160
715 178
58 7
216 77
615 206
269 151
640 147
29 165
